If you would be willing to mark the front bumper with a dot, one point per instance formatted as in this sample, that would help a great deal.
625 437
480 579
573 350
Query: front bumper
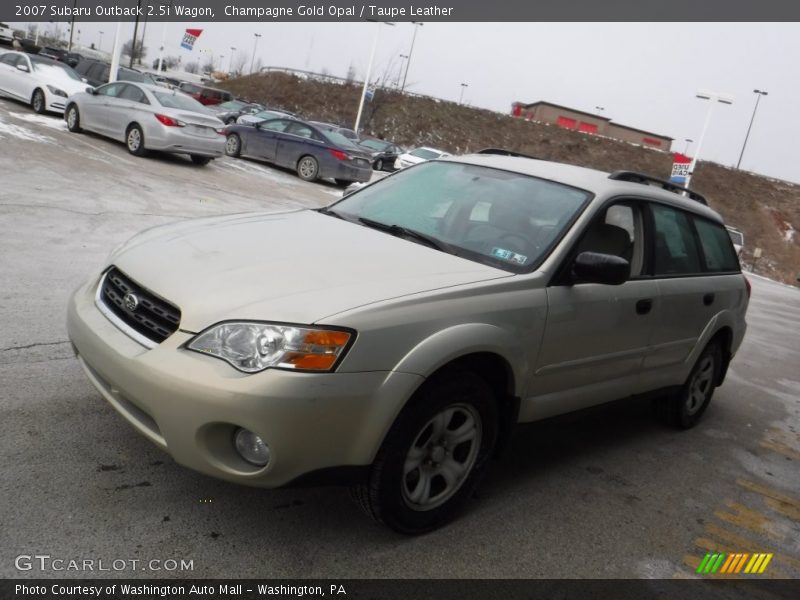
190 404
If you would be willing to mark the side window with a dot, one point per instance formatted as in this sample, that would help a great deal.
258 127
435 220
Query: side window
9 59
717 246
302 130
275 125
134 94
619 232
110 89
675 251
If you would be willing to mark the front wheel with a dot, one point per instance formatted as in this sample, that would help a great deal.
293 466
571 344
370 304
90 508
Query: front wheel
434 455
73 119
379 164
200 161
38 103
308 168
233 145
134 140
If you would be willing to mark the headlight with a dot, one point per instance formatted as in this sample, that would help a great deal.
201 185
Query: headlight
251 347
57 92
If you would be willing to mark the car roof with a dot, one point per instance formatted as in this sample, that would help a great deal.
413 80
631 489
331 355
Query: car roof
592 180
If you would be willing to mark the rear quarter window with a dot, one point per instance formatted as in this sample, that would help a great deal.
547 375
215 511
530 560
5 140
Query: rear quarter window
718 250
676 251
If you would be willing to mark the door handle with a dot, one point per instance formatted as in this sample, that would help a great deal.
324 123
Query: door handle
643 306
708 299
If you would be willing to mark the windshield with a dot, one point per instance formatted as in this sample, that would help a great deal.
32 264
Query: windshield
504 219
232 105
53 69
128 75
179 100
267 114
425 153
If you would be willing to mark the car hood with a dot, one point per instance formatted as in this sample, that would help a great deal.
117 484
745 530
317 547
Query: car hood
295 267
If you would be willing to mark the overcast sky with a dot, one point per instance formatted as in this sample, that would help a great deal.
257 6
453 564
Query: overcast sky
645 75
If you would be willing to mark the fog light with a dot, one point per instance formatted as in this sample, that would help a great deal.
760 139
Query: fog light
251 447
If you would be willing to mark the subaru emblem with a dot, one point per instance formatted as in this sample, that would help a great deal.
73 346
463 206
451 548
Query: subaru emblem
130 301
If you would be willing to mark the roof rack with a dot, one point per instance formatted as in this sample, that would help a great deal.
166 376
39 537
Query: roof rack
504 152
635 177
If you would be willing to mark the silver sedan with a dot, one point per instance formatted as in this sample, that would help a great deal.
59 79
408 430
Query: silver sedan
148 117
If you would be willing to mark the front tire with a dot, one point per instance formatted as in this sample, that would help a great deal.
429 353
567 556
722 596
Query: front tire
308 168
233 145
434 455
73 119
134 140
38 102
200 161
684 409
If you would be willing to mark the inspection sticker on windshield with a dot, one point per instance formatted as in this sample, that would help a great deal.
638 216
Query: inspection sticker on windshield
508 255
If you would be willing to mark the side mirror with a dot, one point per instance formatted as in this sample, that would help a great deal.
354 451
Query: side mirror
23 68
84 80
593 267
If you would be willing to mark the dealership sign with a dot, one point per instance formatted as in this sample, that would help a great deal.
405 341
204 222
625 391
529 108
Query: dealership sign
680 168
190 37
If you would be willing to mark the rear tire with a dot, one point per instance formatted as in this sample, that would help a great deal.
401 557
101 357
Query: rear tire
38 102
434 455
73 119
343 182
134 140
308 168
233 145
200 161
684 409
379 164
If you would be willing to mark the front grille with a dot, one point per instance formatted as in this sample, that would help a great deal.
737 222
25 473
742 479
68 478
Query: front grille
144 312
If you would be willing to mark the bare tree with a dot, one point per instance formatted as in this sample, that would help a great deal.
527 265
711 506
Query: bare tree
139 52
259 64
351 74
208 66
239 61
381 93
192 67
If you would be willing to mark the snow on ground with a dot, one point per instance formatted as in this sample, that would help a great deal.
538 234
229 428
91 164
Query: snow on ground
52 123
15 131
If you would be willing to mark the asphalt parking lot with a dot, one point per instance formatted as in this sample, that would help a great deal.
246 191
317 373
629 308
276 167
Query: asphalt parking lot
605 494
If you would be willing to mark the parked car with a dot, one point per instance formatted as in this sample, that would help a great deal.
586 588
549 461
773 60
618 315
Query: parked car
299 145
393 339
58 54
206 96
6 34
348 133
418 155
264 115
42 82
737 237
97 72
228 112
384 154
148 117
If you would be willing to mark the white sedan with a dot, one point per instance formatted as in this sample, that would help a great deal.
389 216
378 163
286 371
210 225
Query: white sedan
417 155
43 83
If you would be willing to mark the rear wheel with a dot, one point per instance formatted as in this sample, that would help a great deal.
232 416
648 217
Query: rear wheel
308 168
684 409
73 119
379 164
230 121
200 161
38 103
434 455
134 140
343 182
233 145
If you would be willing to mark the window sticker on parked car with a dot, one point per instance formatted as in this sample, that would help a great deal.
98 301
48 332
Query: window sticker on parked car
508 255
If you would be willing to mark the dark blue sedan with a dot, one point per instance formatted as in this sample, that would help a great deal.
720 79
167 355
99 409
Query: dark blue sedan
298 145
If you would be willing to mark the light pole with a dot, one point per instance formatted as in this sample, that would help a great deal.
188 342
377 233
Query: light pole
686 148
255 45
713 98
416 25
230 60
100 43
600 108
463 87
749 127
402 58
221 59
369 72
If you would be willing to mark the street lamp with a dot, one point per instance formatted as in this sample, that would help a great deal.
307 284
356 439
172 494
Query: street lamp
713 98
255 45
749 127
463 87
400 70
686 148
230 60
369 71
410 52
600 108
100 43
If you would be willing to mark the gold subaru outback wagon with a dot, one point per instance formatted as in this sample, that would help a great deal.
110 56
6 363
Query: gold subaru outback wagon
391 340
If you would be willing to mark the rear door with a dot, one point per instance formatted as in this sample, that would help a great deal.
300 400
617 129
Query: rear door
128 105
596 336
262 141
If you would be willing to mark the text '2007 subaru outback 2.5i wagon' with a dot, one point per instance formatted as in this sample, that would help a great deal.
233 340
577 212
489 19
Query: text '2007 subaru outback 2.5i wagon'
392 339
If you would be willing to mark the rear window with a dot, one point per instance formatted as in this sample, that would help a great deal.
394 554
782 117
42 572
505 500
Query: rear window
128 75
718 250
425 153
232 105
179 101
190 88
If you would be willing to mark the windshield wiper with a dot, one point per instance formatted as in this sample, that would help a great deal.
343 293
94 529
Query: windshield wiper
400 231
